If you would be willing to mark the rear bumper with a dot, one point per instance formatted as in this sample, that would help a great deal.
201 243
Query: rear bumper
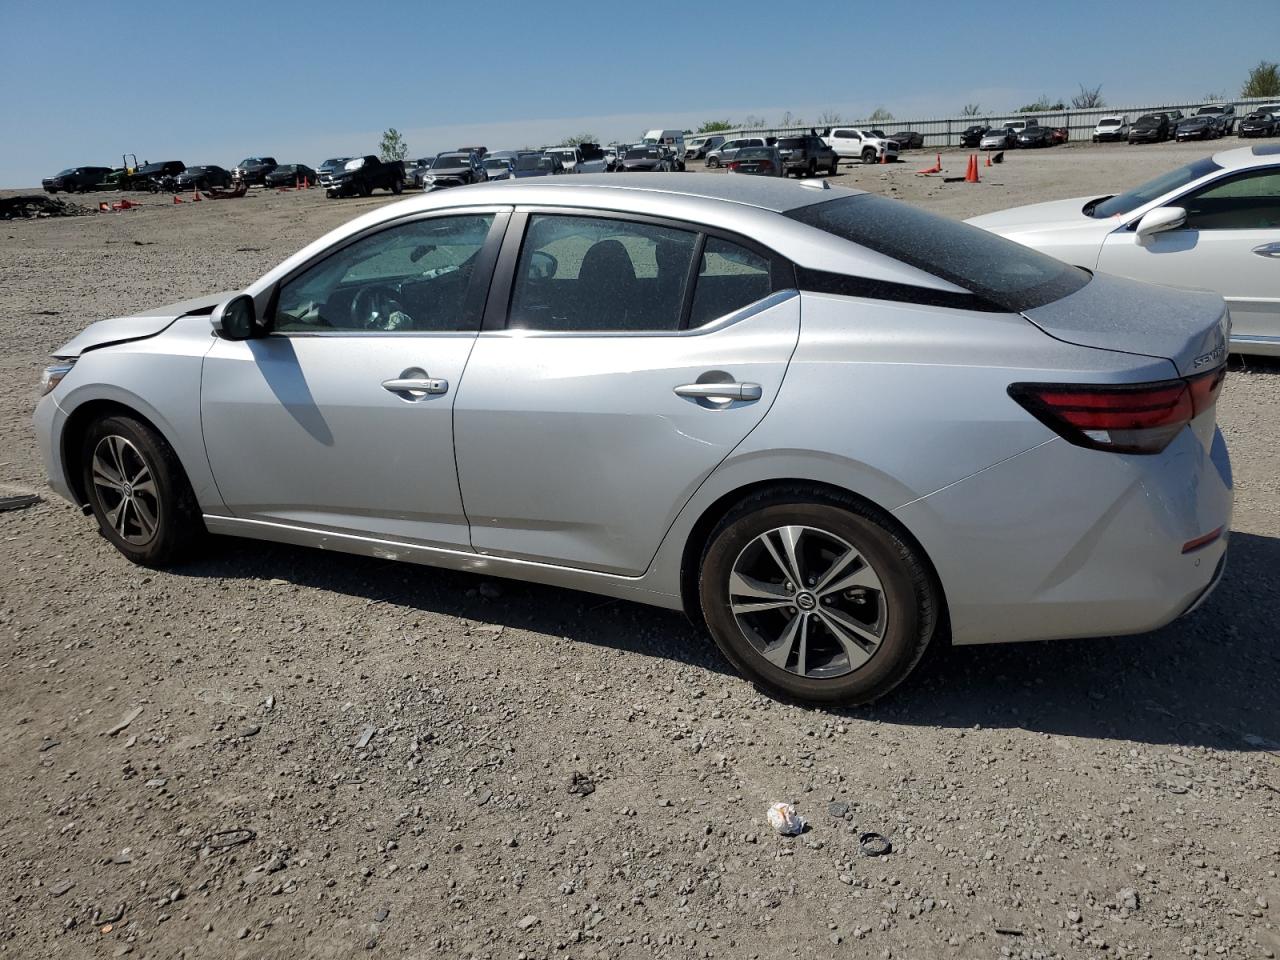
1064 542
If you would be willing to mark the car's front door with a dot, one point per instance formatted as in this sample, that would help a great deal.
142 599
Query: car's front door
629 360
341 419
1230 243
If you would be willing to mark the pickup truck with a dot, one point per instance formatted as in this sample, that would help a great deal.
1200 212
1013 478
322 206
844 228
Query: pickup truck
864 145
583 158
1223 113
805 156
362 176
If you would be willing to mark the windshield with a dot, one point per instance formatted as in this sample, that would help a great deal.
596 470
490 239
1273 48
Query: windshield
1148 121
336 161
450 160
1204 110
499 164
1007 274
1109 122
530 161
67 172
1151 190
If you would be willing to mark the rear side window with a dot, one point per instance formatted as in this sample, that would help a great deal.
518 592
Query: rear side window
729 278
1003 273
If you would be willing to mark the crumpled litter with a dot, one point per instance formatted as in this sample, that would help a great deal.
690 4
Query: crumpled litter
785 821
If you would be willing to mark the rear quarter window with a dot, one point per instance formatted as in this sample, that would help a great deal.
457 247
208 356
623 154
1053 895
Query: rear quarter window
1005 274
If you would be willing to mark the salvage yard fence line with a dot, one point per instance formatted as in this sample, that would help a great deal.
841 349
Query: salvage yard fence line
945 131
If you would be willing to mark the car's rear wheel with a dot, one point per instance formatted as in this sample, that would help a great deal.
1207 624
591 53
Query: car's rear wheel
139 492
396 187
816 598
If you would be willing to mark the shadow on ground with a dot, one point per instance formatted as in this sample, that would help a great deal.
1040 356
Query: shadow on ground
1209 679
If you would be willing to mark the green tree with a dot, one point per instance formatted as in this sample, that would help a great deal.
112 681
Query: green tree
1041 105
880 115
393 146
715 126
1088 97
1264 81
578 138
971 110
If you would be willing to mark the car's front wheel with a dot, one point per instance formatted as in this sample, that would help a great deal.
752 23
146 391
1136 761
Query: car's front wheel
816 598
139 492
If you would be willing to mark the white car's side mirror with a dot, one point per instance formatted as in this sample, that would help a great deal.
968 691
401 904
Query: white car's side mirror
1160 220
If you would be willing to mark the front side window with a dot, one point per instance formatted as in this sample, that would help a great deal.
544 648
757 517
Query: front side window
1249 201
598 274
413 277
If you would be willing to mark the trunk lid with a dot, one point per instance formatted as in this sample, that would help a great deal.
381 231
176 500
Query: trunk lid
1190 329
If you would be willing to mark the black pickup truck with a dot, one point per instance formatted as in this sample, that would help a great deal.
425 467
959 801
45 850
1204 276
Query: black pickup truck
362 176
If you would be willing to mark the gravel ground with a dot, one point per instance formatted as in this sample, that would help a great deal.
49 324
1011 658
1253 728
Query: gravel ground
274 752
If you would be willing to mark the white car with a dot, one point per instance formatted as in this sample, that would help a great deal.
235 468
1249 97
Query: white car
864 145
1111 128
1211 225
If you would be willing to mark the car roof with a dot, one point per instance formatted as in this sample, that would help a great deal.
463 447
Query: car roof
1243 157
778 196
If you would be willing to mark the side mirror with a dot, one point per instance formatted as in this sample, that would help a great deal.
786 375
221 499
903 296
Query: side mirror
1160 220
237 319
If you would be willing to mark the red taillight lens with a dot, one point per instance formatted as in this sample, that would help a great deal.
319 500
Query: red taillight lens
1122 418
733 165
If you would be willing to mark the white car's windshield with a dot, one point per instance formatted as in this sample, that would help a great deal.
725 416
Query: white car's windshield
1132 199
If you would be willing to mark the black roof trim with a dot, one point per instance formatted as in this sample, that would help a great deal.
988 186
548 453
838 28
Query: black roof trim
844 285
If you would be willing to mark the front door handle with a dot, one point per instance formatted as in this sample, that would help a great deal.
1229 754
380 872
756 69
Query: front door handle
720 391
416 385
1268 250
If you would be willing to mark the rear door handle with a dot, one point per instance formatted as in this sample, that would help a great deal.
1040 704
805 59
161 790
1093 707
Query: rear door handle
1268 250
720 391
419 385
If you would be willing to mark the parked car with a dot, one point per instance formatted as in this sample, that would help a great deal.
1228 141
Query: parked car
1017 126
1198 127
1213 224
673 139
1175 117
480 152
758 161
1150 128
805 156
650 158
453 169
1034 137
583 158
76 179
152 176
718 156
908 139
534 164
998 138
291 175
690 472
414 170
852 143
1111 128
202 177
330 167
363 175
1223 113
1059 135
695 148
1259 123
498 166
254 169
972 136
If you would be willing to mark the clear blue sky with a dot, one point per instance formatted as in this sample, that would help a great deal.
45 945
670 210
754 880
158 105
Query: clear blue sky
82 83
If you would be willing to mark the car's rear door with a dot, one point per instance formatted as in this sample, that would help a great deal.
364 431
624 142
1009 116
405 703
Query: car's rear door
622 360
1230 244
341 419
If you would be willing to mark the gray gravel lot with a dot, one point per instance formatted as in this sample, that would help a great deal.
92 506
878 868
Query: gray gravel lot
400 742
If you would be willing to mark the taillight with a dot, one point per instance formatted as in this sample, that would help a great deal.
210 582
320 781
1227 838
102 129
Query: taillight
734 164
1122 418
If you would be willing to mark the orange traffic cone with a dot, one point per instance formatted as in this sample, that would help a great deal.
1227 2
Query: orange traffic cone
988 159
177 199
195 194
971 175
884 156
306 183
104 207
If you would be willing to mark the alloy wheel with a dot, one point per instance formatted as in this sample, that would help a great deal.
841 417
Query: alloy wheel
126 489
808 601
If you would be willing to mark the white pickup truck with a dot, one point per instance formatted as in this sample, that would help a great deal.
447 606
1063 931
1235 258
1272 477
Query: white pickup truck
584 158
857 144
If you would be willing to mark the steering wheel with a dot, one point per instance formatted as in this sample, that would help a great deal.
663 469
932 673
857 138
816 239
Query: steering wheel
372 308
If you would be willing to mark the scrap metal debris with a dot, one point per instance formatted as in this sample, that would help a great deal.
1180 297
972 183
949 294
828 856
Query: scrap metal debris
31 206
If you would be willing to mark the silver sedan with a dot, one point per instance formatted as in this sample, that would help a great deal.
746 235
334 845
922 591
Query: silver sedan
832 428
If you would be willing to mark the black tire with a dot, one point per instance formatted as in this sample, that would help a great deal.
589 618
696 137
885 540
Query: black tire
908 595
171 504
869 156
396 187
835 163
812 170
714 163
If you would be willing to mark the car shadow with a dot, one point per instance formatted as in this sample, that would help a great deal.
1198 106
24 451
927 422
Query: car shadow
1206 680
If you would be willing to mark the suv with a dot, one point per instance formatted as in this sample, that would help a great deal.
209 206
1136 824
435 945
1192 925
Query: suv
254 169
864 145
1224 113
72 179
1111 128
803 156
718 156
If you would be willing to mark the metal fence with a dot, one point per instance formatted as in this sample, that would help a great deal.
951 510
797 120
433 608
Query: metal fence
945 131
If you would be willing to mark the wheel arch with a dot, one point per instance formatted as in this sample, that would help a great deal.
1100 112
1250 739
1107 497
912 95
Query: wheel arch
700 534
73 431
